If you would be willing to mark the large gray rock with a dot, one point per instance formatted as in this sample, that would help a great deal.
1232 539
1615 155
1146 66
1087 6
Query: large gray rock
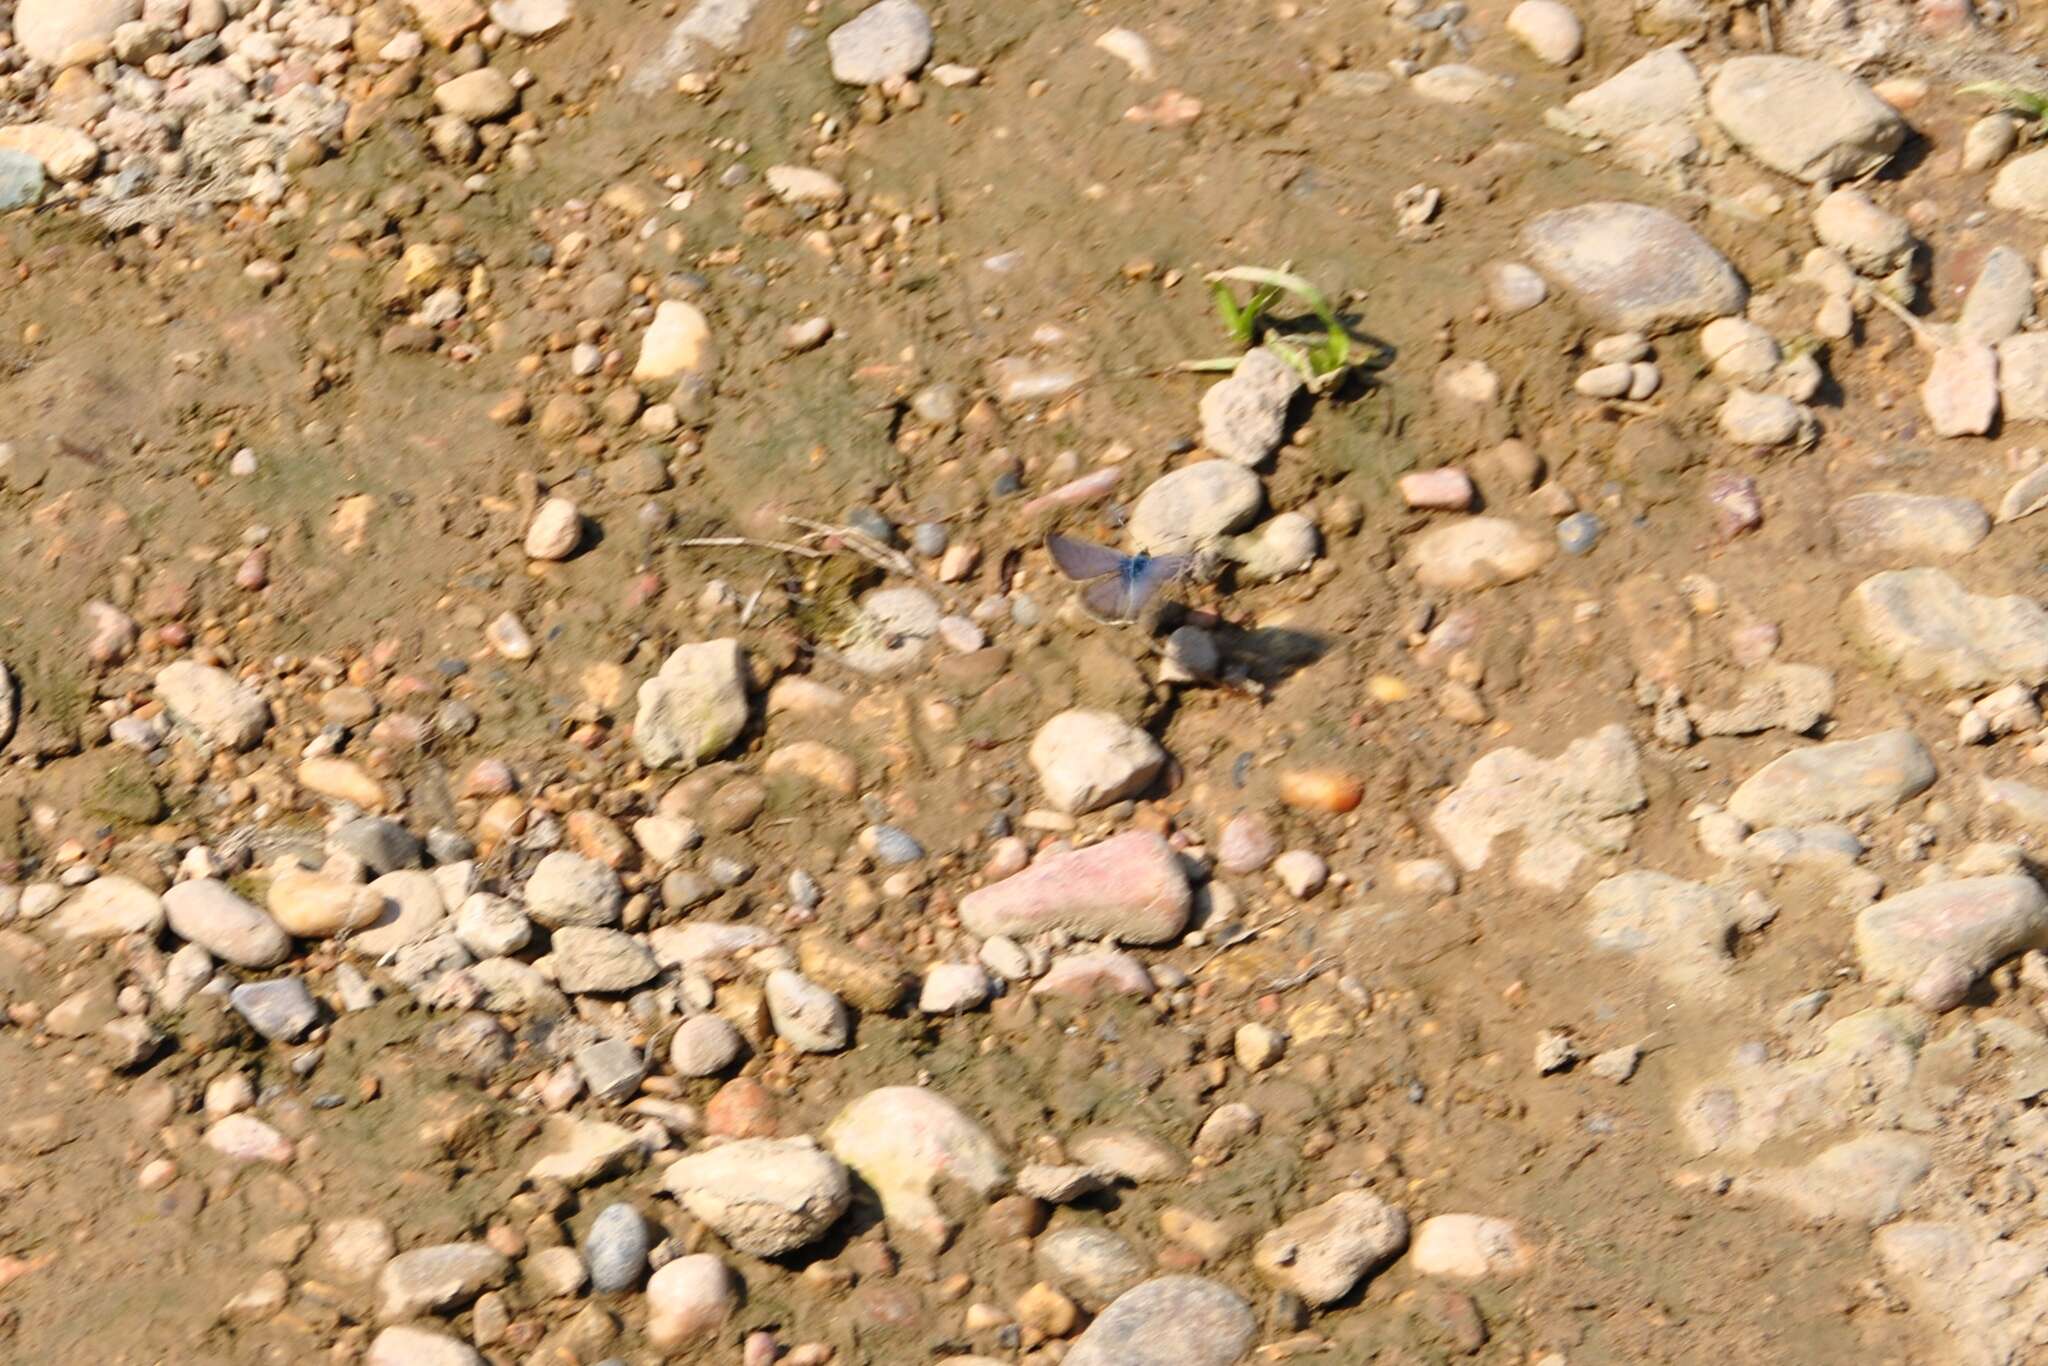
437 1279
1936 941
1245 416
1633 267
2021 185
212 704
569 889
765 1196
1565 809
1194 506
1171 1321
1807 119
888 41
1835 782
1928 629
1915 525
585 958
49 29
1321 1254
1088 759
695 707
209 914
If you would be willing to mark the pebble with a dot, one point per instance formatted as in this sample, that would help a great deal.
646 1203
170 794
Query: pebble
1244 417
704 1046
951 988
1128 889
1170 1321
689 1299
244 1138
556 530
1807 119
437 1279
585 959
21 181
1456 83
481 96
1247 844
1909 525
1989 141
1749 418
405 1345
1551 31
1477 552
209 914
1190 508
49 29
2021 185
1442 490
805 1015
677 344
1739 350
764 1196
315 906
616 1248
212 705
890 630
1094 1265
1323 1253
1469 1247
569 889
1578 533
531 18
1656 94
888 41
282 1010
1634 267
1512 288
903 1141
1095 976
509 639
1960 394
1258 1046
1086 760
1836 781
105 908
611 1068
1929 630
2023 377
891 846
1934 942
2000 301
352 1249
694 708
1302 872
1874 241
492 926
1565 808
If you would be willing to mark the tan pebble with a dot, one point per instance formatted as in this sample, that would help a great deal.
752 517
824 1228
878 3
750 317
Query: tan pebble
817 763
315 905
1045 1310
342 780
1320 790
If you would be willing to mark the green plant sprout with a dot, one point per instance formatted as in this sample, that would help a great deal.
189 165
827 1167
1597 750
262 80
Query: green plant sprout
1322 363
2032 103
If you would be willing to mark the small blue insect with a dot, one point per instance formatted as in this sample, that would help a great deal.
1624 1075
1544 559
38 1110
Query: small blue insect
1119 585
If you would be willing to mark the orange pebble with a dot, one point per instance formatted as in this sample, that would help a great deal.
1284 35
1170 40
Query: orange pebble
1320 789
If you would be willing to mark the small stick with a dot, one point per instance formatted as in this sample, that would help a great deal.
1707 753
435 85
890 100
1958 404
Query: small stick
785 547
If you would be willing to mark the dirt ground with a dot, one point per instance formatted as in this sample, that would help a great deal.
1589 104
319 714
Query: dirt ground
1037 221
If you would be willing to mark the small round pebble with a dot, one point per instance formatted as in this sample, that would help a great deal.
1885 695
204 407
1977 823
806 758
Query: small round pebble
616 1248
1577 534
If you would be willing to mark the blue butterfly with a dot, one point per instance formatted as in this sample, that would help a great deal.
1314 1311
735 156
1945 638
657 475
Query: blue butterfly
1119 585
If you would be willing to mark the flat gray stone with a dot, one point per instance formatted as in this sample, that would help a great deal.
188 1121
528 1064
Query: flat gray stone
282 1011
1909 525
1171 1321
1936 941
888 41
694 708
1194 506
1634 268
1929 630
1835 782
1806 119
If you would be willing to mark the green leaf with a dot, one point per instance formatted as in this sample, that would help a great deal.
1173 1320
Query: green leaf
2032 103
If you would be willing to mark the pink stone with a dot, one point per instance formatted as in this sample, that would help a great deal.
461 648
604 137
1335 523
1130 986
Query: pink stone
1961 392
1092 976
1246 845
1737 505
1446 489
1129 889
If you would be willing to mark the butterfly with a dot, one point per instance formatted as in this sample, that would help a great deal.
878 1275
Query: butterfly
1119 585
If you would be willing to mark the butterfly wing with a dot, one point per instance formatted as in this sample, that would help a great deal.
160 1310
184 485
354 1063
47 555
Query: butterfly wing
1082 559
1138 581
